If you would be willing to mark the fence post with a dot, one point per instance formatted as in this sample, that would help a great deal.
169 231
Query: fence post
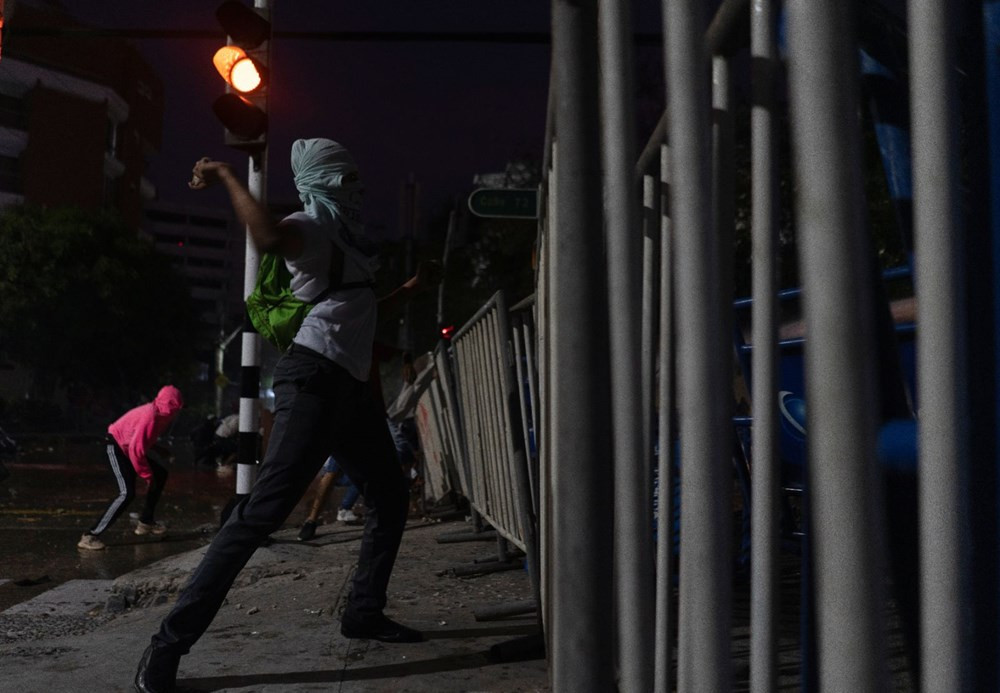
764 380
581 550
839 319
941 350
702 367
665 439
633 541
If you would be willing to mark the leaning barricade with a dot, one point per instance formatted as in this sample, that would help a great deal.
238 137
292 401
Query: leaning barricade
475 424
445 468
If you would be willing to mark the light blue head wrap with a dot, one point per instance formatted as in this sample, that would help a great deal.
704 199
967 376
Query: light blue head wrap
329 186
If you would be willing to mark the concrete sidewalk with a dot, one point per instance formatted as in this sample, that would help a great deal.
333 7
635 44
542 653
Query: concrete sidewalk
279 630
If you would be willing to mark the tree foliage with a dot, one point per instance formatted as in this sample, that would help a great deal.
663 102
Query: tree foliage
87 303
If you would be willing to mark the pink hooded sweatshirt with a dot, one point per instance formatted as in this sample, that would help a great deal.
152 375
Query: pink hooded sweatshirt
138 429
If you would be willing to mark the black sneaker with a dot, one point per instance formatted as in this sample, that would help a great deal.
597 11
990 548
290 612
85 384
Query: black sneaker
308 530
378 627
157 671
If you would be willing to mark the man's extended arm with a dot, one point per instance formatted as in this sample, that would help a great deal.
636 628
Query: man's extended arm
267 236
428 276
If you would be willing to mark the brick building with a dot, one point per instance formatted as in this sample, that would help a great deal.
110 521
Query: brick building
79 115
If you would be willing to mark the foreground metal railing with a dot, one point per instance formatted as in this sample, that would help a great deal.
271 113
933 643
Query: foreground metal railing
626 300
625 358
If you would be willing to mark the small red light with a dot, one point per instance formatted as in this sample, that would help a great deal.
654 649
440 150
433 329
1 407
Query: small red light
447 332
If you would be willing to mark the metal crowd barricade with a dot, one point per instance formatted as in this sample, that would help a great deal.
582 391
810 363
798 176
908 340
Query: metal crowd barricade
585 298
438 425
483 366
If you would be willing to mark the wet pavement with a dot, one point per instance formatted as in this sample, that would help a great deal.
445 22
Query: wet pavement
85 626
56 491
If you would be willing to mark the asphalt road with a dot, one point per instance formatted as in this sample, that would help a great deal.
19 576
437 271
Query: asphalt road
55 493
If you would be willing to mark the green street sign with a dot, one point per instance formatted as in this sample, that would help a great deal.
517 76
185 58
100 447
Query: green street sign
505 203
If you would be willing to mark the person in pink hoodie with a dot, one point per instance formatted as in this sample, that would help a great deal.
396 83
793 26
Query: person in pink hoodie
130 439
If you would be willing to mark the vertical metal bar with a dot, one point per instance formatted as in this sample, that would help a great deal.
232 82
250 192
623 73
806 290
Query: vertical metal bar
582 650
486 446
633 541
444 268
724 205
839 319
485 420
765 470
546 336
521 368
501 425
941 349
472 423
534 403
665 441
702 367
650 261
249 426
519 458
454 418
508 400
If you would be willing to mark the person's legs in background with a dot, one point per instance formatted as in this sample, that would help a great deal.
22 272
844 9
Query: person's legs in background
147 523
326 483
346 511
124 476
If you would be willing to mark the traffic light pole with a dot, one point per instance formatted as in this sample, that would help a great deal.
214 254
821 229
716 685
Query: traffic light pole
249 431
249 435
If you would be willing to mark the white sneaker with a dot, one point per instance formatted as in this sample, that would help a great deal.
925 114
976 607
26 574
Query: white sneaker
155 529
346 515
91 543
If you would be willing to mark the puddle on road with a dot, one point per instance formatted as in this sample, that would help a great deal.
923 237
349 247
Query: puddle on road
54 494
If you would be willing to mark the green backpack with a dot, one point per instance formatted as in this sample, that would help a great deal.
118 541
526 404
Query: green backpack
274 310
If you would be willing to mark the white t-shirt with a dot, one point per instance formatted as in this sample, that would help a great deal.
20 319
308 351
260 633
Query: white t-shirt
342 325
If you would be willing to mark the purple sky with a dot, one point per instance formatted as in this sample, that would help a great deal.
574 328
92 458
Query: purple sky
439 111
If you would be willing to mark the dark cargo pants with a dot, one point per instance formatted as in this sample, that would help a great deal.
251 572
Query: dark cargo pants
320 409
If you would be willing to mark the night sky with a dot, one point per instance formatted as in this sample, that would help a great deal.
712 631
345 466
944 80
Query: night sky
442 112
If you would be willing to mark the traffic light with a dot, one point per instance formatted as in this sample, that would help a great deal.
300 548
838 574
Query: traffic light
243 65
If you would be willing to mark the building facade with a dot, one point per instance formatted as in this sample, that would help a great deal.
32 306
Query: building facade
208 247
79 116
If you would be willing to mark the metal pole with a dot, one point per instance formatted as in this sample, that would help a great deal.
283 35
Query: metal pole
764 380
581 560
633 541
703 369
665 441
249 431
547 450
941 350
650 293
839 318
444 268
